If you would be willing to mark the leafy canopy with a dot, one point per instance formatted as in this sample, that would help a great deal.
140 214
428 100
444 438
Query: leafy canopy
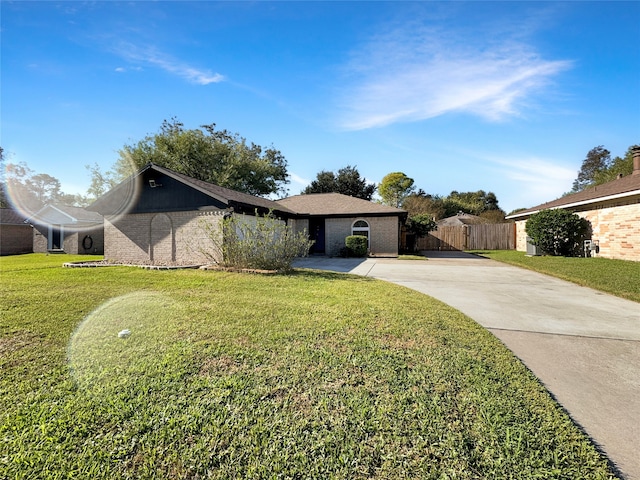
421 224
215 156
394 188
481 203
597 160
346 181
557 232
598 167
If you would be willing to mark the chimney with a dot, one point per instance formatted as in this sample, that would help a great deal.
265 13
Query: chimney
635 151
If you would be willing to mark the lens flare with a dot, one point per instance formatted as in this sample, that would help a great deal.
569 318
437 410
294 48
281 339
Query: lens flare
126 342
33 198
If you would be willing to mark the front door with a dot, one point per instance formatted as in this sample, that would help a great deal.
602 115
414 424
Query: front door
316 233
55 238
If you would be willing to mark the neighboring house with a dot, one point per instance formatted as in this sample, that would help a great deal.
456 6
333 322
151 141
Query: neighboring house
162 217
461 219
16 236
331 217
62 228
613 209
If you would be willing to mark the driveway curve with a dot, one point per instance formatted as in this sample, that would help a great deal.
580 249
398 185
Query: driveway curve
583 345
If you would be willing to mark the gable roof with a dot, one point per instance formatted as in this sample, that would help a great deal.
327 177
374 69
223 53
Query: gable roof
461 219
9 216
619 188
114 201
337 205
60 214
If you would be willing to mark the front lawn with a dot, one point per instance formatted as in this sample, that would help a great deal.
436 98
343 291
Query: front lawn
226 375
617 277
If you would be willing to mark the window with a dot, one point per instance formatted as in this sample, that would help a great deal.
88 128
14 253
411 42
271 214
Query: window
361 227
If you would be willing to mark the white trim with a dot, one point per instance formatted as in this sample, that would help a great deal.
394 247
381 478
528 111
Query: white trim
577 204
362 229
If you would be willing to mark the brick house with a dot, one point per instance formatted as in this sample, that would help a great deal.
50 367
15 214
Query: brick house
16 236
331 217
162 217
613 209
62 228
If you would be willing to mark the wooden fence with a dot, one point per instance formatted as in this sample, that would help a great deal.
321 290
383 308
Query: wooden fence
500 236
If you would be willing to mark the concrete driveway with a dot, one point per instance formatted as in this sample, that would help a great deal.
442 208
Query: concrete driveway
583 345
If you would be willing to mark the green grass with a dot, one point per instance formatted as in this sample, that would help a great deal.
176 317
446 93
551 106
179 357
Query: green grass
617 277
226 375
411 257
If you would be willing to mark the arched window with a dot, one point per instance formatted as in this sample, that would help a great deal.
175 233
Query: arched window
360 227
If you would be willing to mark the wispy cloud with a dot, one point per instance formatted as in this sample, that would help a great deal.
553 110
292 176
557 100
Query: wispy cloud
299 181
414 73
536 180
151 56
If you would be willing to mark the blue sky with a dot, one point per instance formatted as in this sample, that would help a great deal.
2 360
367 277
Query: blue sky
501 96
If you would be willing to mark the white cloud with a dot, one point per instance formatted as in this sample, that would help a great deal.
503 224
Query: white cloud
414 73
151 56
298 180
535 180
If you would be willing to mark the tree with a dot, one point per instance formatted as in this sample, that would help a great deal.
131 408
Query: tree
421 224
557 232
424 203
207 154
30 191
617 167
481 203
394 188
44 187
598 160
347 181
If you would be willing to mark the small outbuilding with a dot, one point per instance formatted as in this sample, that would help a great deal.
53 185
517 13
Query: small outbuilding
613 210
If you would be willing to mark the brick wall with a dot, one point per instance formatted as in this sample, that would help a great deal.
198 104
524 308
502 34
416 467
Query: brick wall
15 239
616 227
173 238
383 234
40 238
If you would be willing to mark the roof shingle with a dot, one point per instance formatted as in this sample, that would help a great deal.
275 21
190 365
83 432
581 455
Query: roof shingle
628 185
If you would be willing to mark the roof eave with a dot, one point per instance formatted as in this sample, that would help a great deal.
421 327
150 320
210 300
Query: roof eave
576 204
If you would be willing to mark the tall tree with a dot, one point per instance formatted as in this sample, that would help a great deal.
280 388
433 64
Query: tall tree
619 166
29 191
598 159
394 188
215 156
346 181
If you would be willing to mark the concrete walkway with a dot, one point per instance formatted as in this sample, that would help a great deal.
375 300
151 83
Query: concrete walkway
583 345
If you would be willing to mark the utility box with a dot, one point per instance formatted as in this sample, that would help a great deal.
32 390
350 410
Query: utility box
533 250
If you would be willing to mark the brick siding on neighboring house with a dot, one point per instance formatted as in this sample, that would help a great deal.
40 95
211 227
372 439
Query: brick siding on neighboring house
169 238
612 208
616 228
15 235
15 239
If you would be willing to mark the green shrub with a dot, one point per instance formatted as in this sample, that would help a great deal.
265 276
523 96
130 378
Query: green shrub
357 245
557 232
258 242
421 224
